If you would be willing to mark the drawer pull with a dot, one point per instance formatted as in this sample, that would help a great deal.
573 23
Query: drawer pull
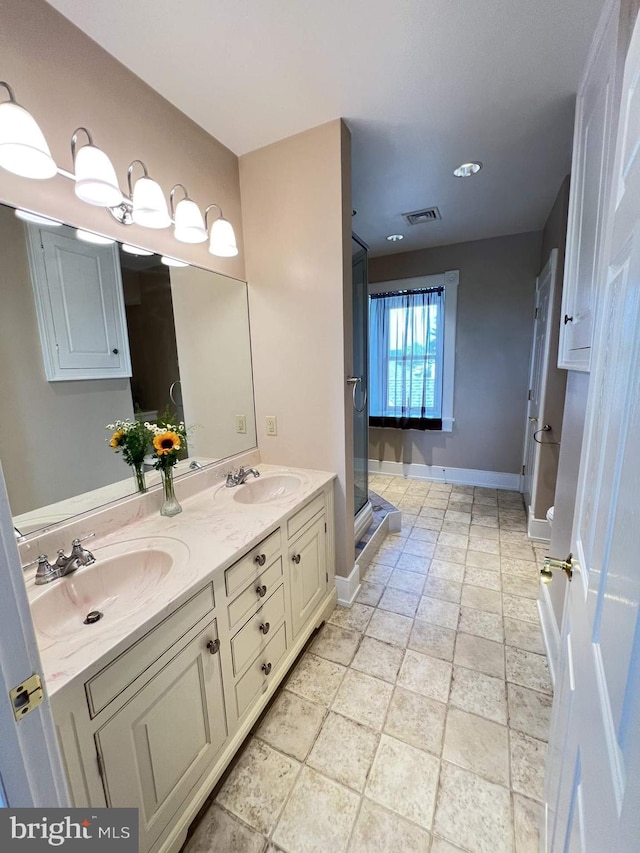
261 590
264 628
266 668
261 559
213 646
296 558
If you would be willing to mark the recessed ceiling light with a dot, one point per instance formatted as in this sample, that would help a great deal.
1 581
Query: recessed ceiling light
173 262
393 238
34 217
465 170
134 250
90 237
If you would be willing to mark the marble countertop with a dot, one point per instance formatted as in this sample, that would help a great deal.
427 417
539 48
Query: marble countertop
210 534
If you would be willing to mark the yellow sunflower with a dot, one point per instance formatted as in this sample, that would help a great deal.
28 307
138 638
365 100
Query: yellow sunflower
116 438
166 442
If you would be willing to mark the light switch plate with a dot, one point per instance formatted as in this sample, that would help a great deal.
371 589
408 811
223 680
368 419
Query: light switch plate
272 425
241 424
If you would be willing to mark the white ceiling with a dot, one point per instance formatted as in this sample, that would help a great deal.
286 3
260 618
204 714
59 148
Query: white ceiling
423 84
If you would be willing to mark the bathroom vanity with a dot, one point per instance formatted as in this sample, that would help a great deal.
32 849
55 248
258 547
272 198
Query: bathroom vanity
203 615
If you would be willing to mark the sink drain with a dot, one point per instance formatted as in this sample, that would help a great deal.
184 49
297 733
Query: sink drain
94 616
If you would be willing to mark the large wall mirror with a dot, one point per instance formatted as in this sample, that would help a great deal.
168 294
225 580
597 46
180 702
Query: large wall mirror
90 334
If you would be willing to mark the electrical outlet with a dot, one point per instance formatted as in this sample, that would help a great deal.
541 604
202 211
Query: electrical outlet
241 424
272 425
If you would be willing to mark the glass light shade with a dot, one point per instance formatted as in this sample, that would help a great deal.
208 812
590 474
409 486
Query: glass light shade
189 224
23 148
173 262
35 217
223 239
149 205
96 181
90 237
135 250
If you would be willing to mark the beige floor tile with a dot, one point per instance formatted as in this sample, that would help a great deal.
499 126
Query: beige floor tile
529 711
449 526
527 765
447 571
432 512
450 553
454 540
481 531
476 744
407 581
483 578
481 624
483 561
404 779
292 724
486 546
443 589
523 635
380 831
416 720
428 523
388 555
318 817
370 593
363 699
517 585
354 618
487 521
479 694
485 500
218 830
258 785
436 502
443 613
516 607
473 812
477 653
422 534
432 640
344 751
527 819
528 669
379 659
458 515
519 552
419 548
425 675
377 574
390 628
316 679
439 845
481 599
412 563
335 643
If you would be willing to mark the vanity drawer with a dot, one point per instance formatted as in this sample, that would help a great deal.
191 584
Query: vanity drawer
298 521
250 639
107 684
255 679
242 606
241 573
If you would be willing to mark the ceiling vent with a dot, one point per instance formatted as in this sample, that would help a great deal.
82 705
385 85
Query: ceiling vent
419 217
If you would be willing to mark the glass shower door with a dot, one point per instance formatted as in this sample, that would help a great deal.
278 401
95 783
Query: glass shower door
360 379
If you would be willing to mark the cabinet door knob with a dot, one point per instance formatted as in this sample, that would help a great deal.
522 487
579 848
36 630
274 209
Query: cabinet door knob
266 668
296 558
567 319
265 627
261 590
115 350
261 559
213 646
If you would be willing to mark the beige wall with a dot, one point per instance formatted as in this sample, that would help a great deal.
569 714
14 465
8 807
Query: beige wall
554 236
297 222
493 342
47 424
66 80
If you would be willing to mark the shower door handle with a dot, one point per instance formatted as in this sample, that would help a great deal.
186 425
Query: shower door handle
354 382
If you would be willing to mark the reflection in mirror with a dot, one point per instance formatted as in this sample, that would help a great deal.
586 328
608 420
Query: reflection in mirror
87 336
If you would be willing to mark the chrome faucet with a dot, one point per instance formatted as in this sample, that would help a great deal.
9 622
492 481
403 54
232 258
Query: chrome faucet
239 477
79 556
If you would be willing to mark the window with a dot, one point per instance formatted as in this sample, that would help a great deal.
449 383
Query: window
412 346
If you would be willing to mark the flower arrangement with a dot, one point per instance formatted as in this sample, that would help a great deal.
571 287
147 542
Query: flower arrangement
132 439
168 441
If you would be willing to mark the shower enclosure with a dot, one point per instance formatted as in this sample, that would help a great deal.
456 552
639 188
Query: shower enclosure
359 383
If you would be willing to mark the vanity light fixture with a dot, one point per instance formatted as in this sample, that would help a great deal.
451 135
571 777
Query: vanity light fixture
95 177
189 225
95 239
465 170
23 148
172 262
135 250
223 239
395 238
149 206
37 219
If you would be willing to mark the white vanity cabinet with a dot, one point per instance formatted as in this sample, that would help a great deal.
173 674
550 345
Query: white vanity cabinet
155 726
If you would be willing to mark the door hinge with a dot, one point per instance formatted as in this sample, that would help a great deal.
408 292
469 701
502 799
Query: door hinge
327 576
26 696
325 527
535 316
523 470
529 395
100 765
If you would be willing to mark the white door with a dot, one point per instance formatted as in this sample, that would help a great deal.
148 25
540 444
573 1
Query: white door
545 286
30 766
593 772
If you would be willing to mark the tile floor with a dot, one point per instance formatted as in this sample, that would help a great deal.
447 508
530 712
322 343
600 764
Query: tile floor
416 721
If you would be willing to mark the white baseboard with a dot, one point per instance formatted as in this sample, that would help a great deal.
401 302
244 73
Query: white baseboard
349 587
550 630
538 529
457 476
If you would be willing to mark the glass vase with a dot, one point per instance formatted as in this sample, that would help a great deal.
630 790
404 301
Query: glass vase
139 477
170 505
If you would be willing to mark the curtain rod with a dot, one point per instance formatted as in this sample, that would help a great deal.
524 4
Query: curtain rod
407 292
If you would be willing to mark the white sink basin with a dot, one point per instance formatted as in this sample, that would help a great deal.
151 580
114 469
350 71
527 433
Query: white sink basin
124 579
267 488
